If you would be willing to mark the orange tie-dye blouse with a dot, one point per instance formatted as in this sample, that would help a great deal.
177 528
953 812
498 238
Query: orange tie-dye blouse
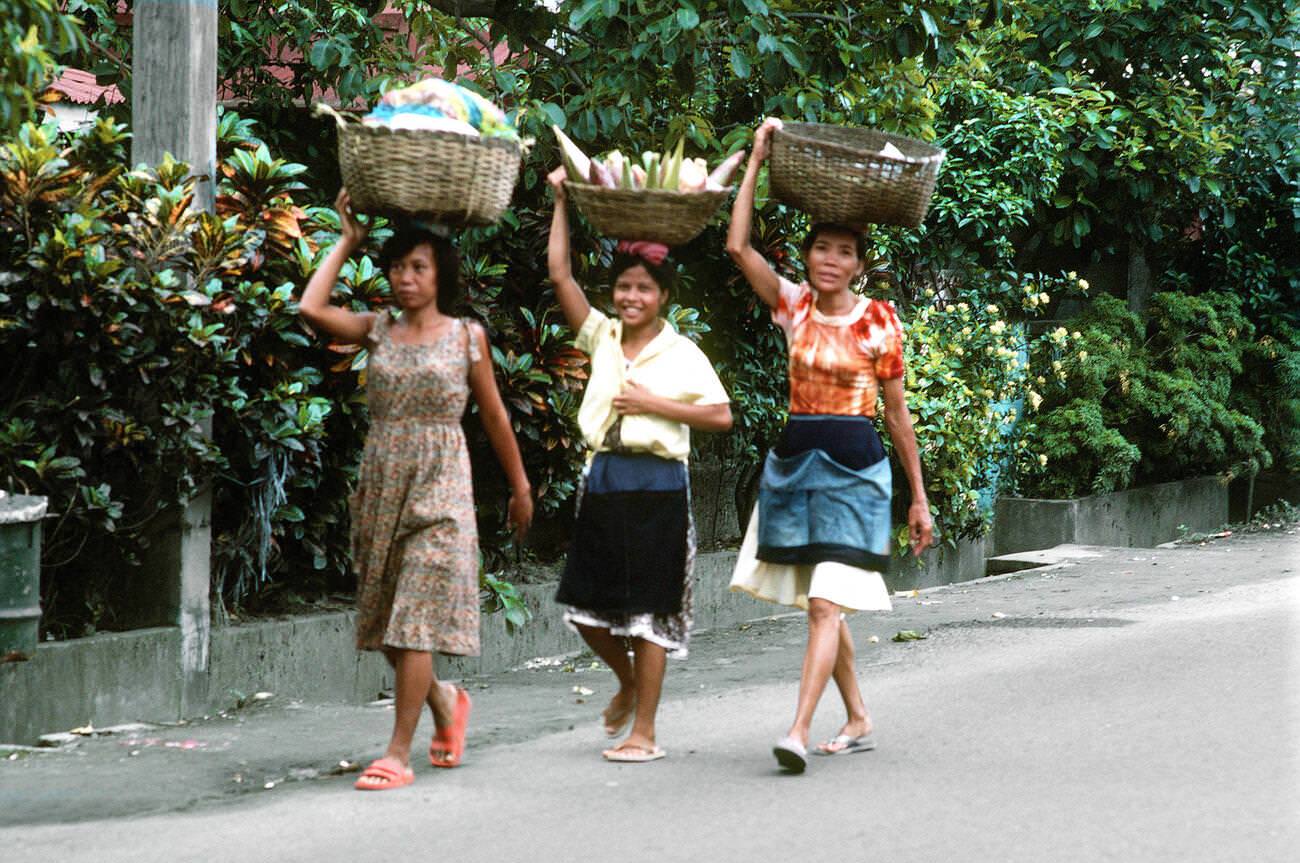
838 361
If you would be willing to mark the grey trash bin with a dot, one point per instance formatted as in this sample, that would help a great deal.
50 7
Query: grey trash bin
20 574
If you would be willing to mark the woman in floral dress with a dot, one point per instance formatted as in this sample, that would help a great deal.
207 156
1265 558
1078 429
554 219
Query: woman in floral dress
414 543
819 537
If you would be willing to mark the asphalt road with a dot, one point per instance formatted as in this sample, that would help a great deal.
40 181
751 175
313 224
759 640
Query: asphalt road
1090 722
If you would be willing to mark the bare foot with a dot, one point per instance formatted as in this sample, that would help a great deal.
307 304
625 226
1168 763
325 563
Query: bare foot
619 712
442 701
853 730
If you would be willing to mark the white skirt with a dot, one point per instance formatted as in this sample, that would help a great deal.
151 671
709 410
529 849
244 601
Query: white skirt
851 588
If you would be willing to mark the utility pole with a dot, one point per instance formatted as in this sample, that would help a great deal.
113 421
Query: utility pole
174 110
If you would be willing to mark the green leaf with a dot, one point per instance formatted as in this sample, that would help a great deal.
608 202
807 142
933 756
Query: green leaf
554 113
688 18
585 13
739 63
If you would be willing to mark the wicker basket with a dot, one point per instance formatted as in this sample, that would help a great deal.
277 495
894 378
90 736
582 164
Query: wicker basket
838 174
441 176
657 215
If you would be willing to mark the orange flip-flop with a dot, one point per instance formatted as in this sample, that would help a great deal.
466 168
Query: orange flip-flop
450 741
392 771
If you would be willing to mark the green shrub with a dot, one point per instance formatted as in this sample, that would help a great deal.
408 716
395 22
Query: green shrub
1150 402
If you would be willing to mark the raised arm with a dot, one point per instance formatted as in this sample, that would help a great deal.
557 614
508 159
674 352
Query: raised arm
898 420
757 271
573 302
315 307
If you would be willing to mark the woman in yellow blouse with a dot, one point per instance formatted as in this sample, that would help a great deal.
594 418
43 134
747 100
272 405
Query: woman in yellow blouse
627 580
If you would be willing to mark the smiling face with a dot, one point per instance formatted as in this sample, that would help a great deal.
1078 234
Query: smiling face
832 260
637 296
414 278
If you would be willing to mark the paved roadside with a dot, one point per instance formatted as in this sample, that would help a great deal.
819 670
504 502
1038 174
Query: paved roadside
271 749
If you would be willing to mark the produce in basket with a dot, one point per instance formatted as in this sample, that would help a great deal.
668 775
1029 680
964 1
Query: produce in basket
668 171
437 105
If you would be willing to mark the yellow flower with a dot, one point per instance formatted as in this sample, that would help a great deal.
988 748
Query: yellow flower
1083 285
1044 298
998 327
1042 460
1083 356
1042 381
1076 335
1072 275
1056 365
1035 399
991 309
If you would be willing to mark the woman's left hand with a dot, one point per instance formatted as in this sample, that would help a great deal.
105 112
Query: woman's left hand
635 399
920 528
520 511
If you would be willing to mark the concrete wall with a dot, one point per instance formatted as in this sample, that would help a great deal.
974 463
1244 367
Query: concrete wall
136 676
102 680
943 564
1139 517
309 657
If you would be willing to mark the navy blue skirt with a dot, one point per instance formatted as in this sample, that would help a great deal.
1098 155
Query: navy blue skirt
629 548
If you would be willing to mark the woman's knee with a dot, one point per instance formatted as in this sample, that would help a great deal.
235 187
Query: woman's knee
823 612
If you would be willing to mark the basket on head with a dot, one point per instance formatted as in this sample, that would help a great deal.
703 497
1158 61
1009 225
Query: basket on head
839 174
440 176
657 215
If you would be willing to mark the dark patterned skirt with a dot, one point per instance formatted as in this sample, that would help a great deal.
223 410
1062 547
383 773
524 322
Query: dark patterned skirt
629 565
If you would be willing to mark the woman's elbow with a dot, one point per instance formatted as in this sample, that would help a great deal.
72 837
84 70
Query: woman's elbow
736 249
310 312
723 421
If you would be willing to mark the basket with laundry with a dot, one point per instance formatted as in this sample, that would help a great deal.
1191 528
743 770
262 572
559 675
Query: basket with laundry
434 150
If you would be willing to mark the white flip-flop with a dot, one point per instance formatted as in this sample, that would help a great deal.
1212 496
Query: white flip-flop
848 745
791 755
633 754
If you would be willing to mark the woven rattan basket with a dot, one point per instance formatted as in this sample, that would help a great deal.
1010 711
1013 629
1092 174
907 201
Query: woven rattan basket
441 176
657 215
838 174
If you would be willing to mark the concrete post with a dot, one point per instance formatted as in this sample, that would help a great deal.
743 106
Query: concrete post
174 87
174 110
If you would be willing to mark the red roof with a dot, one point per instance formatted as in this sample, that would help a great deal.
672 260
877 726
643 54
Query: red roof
80 87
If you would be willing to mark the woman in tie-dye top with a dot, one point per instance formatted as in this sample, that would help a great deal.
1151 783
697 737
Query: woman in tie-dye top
819 537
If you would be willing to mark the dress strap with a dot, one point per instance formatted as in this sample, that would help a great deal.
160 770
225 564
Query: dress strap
379 329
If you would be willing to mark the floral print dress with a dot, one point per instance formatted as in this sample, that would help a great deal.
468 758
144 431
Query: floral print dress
414 539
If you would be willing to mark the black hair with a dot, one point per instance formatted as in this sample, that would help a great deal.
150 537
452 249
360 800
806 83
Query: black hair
446 260
664 273
819 228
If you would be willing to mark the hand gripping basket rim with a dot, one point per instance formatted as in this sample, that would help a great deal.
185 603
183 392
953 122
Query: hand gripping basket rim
838 174
440 176
658 215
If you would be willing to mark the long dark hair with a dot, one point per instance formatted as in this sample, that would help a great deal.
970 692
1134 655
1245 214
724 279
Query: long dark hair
446 260
663 273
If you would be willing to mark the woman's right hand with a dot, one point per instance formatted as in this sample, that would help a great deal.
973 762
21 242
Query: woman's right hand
763 138
556 178
352 231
